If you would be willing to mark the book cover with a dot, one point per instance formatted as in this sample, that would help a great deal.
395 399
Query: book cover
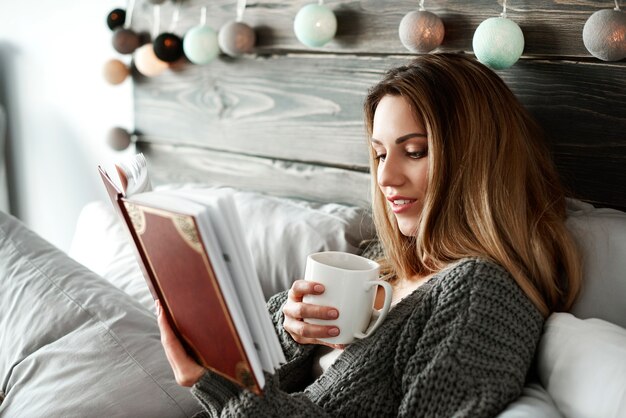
179 272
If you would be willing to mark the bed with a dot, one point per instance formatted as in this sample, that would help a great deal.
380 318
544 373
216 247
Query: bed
283 128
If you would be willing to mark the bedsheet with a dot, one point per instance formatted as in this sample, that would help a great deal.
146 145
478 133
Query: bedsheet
72 344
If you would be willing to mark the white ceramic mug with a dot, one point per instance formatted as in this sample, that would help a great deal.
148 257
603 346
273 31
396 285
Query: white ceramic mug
350 283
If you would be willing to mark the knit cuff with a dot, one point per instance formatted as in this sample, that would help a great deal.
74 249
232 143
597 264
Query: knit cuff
214 391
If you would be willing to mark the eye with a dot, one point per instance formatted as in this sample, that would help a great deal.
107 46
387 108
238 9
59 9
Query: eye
416 155
381 157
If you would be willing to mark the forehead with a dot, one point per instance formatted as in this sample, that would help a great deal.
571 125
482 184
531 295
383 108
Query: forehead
394 116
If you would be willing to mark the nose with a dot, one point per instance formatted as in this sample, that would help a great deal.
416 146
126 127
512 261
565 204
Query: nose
390 172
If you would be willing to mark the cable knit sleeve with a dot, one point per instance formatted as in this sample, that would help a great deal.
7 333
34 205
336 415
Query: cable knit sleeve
477 345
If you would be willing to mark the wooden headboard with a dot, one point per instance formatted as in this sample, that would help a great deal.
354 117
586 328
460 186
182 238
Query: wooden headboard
288 120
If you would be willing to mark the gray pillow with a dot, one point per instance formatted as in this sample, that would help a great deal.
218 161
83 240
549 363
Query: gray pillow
72 344
601 235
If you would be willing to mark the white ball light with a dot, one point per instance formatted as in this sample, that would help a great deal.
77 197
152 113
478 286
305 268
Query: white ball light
421 31
498 42
200 44
604 35
315 25
147 62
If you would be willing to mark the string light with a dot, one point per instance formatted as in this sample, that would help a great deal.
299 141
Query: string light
498 41
421 31
200 42
168 46
315 25
125 40
236 38
604 34
146 61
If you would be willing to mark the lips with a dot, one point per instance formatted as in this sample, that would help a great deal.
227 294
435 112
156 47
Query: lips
401 204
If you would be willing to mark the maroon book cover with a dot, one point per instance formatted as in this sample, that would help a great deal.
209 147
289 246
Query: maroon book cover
179 273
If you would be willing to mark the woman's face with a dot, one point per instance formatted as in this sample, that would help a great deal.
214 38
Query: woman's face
401 146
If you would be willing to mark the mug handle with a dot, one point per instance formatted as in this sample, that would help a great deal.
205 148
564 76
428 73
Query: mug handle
380 315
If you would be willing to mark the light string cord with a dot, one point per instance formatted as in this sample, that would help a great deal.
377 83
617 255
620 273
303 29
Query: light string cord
503 14
156 20
175 17
617 6
129 14
241 7
203 16
422 6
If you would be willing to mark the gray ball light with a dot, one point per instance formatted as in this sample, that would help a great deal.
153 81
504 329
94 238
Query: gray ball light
236 38
604 34
421 31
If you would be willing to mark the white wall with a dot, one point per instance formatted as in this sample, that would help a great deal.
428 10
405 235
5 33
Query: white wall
59 108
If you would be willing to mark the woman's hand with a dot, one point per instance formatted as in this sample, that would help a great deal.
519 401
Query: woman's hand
186 371
295 311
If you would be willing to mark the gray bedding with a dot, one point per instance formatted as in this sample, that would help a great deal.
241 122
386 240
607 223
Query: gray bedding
72 344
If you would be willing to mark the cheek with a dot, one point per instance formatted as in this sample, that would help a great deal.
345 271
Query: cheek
421 178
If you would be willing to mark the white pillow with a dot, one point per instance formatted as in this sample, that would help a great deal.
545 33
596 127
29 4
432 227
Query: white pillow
582 365
535 402
280 232
102 244
601 234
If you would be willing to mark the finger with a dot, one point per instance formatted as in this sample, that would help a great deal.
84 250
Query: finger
299 310
300 288
301 329
173 348
186 370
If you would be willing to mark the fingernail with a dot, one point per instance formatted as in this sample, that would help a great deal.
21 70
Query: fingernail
333 313
157 304
318 288
333 332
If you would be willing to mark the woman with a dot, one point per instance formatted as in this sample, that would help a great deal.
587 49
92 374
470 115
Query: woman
470 214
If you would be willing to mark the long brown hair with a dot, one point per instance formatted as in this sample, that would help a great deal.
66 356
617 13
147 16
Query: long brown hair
493 191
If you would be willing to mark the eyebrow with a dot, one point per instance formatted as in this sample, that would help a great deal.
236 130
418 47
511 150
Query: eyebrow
403 138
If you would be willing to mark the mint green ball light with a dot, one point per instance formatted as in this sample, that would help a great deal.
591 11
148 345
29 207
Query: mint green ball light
315 25
200 44
498 42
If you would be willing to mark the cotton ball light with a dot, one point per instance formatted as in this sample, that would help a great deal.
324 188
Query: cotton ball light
315 25
421 31
116 18
604 34
168 47
115 71
236 38
125 41
498 42
200 44
119 138
147 62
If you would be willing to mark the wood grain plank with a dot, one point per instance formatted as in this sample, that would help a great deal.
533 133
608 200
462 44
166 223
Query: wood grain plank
309 107
371 26
179 164
303 108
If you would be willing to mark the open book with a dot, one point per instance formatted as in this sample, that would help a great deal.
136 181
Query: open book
195 259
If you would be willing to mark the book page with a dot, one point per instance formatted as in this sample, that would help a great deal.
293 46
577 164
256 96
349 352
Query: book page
133 174
243 273
228 208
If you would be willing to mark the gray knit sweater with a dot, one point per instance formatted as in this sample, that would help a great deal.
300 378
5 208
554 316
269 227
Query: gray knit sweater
458 346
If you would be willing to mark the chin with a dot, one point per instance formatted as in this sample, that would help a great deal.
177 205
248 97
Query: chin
408 229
